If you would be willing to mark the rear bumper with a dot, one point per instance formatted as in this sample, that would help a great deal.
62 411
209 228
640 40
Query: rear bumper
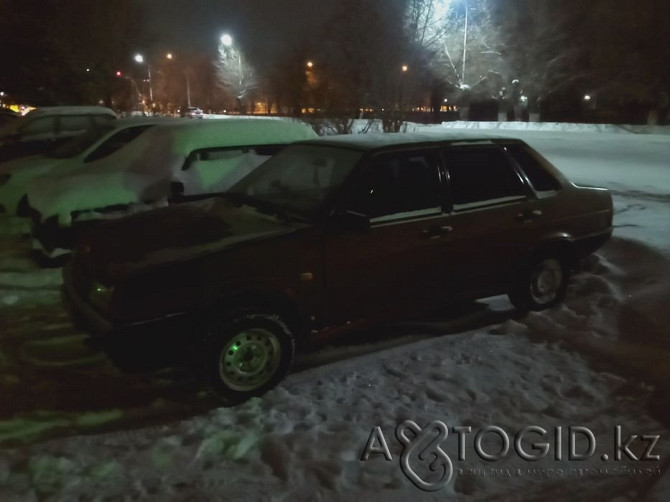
584 246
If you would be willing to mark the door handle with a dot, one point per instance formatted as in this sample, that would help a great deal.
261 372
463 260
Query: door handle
435 232
528 215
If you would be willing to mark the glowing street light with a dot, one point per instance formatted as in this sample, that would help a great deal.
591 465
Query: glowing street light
226 40
404 68
140 59
310 64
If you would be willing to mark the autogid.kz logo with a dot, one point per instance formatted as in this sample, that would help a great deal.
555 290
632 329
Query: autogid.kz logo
426 463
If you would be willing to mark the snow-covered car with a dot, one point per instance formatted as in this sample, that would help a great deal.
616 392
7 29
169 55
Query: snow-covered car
168 163
331 232
43 129
78 153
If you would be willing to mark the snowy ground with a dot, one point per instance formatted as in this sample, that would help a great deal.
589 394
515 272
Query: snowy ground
78 422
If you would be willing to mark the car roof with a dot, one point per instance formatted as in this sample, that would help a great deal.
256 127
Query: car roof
139 121
70 110
377 141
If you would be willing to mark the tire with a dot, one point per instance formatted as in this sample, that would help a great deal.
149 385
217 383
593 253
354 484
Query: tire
541 284
246 354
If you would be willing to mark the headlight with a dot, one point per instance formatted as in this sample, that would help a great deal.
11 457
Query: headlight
100 296
4 178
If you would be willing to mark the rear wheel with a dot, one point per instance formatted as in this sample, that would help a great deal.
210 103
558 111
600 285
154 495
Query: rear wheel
541 284
245 355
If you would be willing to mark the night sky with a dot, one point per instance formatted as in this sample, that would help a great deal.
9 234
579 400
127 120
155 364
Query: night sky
255 24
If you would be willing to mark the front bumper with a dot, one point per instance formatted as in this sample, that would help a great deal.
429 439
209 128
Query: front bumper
88 318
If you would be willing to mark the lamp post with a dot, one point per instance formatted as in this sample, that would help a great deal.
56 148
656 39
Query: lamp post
140 59
465 40
188 83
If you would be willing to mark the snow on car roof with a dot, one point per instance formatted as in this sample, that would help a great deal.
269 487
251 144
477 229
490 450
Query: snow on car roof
186 136
381 140
71 110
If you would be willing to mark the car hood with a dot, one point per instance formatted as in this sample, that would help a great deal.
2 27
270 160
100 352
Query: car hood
120 247
54 195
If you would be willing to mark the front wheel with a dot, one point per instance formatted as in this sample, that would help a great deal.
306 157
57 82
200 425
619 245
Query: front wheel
245 355
541 284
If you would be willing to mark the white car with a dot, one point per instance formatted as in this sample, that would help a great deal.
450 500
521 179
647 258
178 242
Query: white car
78 153
193 112
166 164
43 129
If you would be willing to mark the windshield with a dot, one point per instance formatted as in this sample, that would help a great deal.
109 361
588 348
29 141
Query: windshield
80 143
299 179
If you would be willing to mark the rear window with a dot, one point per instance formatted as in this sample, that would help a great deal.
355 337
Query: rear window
74 124
44 125
532 165
482 176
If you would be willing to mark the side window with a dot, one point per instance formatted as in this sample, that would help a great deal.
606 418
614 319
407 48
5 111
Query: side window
396 184
481 176
102 119
116 141
73 124
46 125
533 165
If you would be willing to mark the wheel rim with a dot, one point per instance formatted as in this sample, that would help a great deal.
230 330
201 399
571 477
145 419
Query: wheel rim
249 359
546 281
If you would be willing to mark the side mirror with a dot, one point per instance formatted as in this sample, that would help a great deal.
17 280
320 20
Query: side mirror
348 221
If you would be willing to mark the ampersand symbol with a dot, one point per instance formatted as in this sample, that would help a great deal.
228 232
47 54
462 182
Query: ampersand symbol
422 446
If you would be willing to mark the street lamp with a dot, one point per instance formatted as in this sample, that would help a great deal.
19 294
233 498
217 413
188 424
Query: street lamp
188 83
140 59
227 41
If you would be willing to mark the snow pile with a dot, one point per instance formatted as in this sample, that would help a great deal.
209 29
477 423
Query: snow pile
557 126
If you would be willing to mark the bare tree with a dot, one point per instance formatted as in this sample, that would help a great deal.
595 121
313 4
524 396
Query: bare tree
236 76
627 44
538 50
457 45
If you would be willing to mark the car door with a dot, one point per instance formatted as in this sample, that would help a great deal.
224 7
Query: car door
394 265
492 215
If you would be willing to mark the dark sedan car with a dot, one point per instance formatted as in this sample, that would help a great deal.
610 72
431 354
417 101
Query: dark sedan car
336 230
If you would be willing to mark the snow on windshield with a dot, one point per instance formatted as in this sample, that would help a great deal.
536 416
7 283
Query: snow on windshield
300 178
